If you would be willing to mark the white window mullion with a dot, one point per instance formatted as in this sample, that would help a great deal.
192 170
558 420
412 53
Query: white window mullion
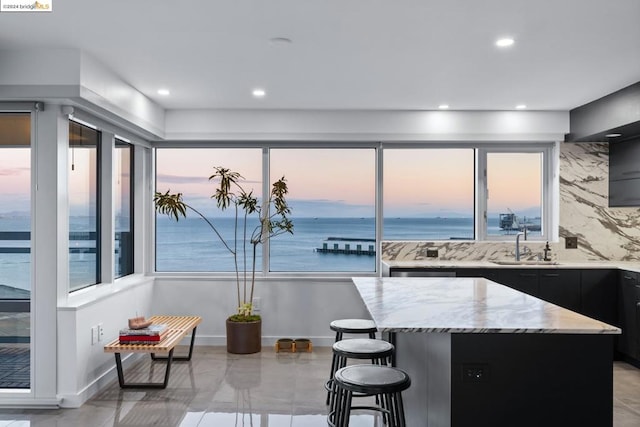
106 208
482 193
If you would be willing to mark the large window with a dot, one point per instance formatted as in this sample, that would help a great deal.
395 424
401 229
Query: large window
123 208
84 221
345 198
190 244
515 193
429 194
332 198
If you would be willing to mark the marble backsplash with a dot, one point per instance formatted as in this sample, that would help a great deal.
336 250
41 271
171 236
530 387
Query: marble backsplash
604 234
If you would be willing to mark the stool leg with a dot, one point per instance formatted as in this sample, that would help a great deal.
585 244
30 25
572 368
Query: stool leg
330 382
401 420
387 413
331 415
341 362
346 413
336 408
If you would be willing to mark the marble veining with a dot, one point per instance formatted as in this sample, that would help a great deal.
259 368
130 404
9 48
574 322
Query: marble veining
466 305
603 233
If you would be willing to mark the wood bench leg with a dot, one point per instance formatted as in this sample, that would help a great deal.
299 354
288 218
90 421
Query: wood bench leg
180 358
163 384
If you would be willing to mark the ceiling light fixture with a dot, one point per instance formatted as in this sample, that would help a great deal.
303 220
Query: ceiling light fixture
164 92
504 42
613 135
259 93
521 107
443 106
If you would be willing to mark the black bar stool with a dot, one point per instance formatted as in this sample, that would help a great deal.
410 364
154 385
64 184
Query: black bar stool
378 351
384 382
350 326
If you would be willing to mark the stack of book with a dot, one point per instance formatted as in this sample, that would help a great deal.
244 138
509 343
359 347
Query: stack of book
150 335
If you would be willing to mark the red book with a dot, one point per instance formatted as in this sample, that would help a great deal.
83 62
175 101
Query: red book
138 338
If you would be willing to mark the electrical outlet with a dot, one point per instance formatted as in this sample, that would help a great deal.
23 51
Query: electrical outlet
432 253
571 242
100 331
257 304
94 335
475 373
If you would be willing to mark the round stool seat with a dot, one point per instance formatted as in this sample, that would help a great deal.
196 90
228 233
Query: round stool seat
353 326
383 382
372 379
363 348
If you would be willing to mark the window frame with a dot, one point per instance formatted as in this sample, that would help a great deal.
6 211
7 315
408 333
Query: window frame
99 196
547 223
481 149
120 142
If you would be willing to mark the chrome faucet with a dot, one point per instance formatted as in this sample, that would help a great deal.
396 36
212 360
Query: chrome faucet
518 244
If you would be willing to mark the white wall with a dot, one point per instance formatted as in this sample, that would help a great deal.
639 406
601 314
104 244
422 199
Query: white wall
83 367
290 308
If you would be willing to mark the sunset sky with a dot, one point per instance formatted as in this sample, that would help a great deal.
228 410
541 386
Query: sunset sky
324 182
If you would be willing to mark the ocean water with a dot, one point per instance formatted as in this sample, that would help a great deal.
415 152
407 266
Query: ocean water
190 245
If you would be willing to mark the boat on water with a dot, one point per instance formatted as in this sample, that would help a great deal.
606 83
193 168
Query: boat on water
510 222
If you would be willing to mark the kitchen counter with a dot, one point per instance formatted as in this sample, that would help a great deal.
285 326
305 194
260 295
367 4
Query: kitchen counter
482 354
466 305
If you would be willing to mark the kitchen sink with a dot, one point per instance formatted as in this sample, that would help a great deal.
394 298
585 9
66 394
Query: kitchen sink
524 262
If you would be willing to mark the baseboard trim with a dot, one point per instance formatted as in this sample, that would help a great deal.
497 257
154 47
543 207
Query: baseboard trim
76 400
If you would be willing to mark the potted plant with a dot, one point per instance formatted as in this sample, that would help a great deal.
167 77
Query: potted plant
244 329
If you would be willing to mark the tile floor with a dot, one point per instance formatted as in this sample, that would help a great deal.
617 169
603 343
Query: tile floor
261 390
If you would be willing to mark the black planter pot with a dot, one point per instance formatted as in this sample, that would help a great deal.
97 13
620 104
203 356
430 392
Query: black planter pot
244 337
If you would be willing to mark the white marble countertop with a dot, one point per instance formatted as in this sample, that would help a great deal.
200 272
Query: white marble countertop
466 305
621 265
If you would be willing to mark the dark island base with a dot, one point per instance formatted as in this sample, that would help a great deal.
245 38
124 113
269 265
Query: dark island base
461 380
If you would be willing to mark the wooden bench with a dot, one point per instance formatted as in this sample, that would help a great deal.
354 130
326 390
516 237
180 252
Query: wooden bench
177 328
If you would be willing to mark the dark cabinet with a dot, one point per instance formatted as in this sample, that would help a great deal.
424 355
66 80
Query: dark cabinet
523 280
560 287
624 160
624 173
624 193
599 295
629 314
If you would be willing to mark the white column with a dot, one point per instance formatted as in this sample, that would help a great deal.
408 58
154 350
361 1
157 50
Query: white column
50 243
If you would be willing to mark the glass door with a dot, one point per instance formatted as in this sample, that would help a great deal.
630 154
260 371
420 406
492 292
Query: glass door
15 250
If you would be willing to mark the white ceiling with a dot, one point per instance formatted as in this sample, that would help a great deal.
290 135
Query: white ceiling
350 54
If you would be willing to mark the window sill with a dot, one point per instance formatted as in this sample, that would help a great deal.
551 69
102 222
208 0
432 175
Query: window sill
93 294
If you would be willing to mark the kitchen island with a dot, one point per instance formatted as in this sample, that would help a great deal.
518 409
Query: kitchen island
482 354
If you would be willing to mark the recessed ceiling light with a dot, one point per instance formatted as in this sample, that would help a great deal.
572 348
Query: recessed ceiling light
164 92
613 135
443 106
504 42
521 107
259 93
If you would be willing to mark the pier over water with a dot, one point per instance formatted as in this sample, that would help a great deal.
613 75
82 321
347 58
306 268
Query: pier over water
348 246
